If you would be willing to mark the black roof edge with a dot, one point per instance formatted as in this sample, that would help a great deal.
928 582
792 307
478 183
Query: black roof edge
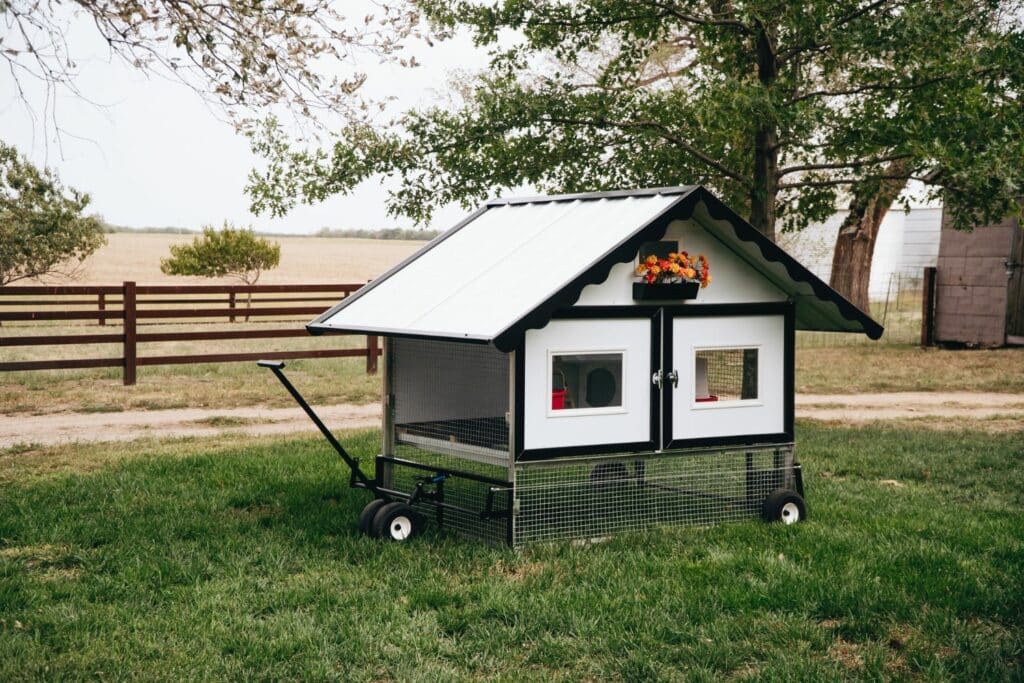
773 252
386 332
607 194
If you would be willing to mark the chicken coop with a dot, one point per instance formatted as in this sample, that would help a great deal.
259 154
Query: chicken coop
533 389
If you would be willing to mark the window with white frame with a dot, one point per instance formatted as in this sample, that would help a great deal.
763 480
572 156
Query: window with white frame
590 380
725 375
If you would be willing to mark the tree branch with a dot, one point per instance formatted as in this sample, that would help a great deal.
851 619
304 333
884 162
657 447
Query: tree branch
850 164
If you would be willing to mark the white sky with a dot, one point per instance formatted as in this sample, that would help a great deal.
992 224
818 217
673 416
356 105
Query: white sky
154 154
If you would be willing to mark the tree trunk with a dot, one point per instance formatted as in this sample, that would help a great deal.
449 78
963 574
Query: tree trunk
766 144
855 243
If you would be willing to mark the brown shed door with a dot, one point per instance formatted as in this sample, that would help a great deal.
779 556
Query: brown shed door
1015 291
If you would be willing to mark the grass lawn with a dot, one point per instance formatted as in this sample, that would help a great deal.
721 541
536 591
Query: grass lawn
231 558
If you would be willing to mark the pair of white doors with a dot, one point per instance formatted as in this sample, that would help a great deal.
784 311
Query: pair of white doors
626 379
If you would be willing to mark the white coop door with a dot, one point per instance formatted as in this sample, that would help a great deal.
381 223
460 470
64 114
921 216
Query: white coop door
587 385
731 377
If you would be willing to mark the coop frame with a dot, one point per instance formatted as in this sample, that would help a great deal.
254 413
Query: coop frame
514 495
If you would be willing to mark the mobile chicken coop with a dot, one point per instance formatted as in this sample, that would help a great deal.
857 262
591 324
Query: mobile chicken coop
534 390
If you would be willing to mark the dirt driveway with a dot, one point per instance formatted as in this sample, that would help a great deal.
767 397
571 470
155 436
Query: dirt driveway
950 410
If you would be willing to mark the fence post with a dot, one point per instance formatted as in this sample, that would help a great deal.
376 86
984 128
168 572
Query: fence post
371 354
102 304
128 296
231 305
928 307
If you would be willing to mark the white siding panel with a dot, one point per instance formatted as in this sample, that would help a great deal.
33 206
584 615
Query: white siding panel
732 279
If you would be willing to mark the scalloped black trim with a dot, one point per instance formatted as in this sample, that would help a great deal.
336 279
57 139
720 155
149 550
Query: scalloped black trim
681 209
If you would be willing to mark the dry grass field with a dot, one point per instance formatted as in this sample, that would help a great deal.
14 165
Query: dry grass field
136 257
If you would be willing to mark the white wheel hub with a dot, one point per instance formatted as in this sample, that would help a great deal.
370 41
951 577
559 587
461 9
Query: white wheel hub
790 513
400 528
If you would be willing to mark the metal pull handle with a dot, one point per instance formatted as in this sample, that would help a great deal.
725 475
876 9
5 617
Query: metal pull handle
656 379
674 378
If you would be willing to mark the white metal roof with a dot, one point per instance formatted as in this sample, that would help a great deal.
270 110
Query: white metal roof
511 264
484 278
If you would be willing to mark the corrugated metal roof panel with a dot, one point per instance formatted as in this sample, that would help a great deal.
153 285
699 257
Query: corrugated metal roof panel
485 277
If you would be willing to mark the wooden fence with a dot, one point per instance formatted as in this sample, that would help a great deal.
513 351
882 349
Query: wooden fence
136 306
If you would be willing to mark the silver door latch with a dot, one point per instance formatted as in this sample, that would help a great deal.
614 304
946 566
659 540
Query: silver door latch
674 378
656 379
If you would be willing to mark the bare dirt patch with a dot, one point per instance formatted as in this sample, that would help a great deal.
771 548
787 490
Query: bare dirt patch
984 411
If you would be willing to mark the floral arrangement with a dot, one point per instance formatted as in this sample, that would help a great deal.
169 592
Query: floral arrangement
678 267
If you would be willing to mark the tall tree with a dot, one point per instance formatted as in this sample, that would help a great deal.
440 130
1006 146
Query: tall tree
783 108
241 55
43 229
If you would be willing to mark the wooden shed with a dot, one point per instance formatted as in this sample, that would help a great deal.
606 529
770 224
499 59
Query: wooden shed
979 298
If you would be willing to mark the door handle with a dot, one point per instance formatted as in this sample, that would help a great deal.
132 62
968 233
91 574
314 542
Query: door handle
656 379
674 378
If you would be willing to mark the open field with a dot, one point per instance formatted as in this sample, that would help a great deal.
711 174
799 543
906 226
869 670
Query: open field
834 370
231 558
136 256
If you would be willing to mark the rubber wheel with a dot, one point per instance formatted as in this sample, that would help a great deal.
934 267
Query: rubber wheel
785 506
368 513
396 522
609 474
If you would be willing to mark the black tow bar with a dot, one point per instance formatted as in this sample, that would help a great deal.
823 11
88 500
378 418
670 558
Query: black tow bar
359 478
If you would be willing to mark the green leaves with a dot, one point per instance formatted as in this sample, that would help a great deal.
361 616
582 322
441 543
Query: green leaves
232 252
42 229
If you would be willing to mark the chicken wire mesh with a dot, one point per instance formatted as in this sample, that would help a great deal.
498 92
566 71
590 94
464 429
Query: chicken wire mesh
726 374
597 497
450 398
480 490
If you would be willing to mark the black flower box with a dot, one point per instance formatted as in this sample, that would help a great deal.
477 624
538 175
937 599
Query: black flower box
663 291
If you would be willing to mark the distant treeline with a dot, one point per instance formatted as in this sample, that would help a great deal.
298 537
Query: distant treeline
361 233
382 234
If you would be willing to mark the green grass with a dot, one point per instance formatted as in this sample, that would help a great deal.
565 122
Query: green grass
229 558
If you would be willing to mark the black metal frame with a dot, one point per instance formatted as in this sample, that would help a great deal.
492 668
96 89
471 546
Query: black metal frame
428 490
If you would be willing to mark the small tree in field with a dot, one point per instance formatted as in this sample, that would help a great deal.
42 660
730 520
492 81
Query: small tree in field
228 252
42 229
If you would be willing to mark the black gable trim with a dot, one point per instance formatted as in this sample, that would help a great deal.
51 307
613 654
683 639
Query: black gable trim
681 209
797 272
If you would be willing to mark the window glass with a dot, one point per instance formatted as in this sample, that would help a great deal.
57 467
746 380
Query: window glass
725 375
586 380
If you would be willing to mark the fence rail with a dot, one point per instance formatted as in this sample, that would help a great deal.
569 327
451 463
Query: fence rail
164 304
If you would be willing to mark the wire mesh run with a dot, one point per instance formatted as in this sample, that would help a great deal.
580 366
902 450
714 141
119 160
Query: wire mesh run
475 498
450 398
593 498
726 374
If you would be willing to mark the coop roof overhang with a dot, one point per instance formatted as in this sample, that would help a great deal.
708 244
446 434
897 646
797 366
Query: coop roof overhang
513 263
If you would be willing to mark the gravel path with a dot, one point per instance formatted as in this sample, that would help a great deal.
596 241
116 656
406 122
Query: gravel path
125 426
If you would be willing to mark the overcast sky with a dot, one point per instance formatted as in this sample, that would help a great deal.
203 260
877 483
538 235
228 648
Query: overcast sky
154 154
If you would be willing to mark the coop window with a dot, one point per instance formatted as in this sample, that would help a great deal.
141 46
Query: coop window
725 375
586 381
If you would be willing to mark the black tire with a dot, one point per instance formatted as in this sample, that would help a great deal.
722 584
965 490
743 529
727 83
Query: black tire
609 475
783 505
368 513
396 522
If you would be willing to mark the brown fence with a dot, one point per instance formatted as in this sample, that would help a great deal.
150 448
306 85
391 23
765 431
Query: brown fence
138 306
